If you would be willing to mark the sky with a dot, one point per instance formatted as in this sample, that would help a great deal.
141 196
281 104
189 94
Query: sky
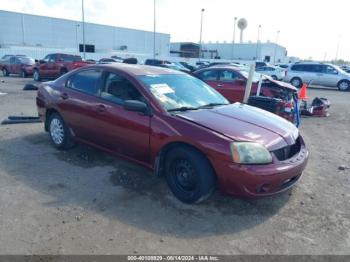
308 28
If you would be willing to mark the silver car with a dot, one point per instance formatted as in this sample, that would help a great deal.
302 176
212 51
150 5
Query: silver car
318 74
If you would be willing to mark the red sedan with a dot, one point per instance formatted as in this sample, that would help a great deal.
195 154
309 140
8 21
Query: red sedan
20 65
176 125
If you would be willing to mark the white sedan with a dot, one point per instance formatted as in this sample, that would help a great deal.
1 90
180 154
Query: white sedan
275 72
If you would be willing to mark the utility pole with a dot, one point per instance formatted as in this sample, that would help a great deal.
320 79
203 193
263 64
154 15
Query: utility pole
274 54
200 35
234 39
257 43
83 20
76 37
154 29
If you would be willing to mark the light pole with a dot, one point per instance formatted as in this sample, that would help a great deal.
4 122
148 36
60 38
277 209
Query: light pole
83 20
233 39
336 54
76 37
257 43
200 35
274 53
154 29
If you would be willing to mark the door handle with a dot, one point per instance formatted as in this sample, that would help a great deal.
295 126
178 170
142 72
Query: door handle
101 109
64 96
219 85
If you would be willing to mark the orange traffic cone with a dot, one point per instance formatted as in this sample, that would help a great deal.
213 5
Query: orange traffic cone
302 93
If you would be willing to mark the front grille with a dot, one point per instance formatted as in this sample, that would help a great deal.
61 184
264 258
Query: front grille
287 152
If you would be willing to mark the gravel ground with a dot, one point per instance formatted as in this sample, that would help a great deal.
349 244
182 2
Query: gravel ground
83 201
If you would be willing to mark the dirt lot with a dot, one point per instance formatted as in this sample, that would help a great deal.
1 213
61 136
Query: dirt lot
86 202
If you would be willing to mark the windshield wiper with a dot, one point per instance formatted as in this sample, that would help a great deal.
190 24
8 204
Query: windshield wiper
184 108
212 105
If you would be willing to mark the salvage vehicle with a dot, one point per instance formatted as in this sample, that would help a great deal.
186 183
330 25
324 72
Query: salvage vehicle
19 65
230 81
55 65
318 74
176 125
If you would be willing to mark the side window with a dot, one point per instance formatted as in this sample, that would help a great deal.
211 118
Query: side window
47 58
331 70
52 58
297 68
118 89
228 76
13 60
85 81
209 75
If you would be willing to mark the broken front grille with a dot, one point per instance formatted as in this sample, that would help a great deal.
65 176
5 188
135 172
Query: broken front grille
287 152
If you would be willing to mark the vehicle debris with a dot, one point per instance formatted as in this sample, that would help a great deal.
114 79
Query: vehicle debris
20 120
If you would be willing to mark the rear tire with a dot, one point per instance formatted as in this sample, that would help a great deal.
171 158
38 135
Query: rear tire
36 75
5 72
59 133
296 81
189 174
344 85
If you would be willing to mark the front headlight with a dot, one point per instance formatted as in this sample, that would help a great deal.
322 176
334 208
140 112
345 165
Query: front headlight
250 153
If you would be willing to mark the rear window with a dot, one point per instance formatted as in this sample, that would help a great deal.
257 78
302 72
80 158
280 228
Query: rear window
316 68
71 58
85 81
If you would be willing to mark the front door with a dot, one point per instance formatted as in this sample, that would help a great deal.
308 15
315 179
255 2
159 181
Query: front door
124 132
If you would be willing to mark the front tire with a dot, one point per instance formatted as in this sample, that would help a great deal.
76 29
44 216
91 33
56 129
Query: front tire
59 132
296 81
344 85
36 75
189 175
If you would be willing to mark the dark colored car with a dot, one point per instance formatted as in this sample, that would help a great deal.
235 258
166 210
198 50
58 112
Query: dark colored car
260 64
192 68
55 65
176 125
19 65
167 64
108 61
231 81
156 62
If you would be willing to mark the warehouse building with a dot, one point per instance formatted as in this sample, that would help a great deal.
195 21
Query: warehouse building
268 52
38 35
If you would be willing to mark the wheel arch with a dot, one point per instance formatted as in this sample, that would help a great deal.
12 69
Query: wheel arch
48 113
160 158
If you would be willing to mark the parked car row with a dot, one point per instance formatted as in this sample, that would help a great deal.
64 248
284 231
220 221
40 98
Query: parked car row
178 126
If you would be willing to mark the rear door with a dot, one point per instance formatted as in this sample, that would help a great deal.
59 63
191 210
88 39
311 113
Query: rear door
43 66
230 85
79 104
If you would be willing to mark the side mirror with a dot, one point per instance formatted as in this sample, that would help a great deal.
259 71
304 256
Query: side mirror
135 106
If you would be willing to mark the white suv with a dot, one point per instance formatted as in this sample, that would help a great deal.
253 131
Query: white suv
318 74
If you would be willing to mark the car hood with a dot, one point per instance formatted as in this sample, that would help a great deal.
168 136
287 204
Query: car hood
282 84
242 122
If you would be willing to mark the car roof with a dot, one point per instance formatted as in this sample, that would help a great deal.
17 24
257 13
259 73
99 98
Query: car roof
223 67
138 70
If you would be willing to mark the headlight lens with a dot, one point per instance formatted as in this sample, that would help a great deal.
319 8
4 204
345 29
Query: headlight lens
250 153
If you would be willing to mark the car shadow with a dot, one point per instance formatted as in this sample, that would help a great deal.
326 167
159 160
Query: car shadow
119 190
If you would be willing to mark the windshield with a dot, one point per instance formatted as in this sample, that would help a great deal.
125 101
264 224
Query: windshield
339 69
176 91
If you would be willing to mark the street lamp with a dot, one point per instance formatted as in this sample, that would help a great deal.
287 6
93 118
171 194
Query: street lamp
200 36
274 53
257 43
83 20
76 37
234 38
154 29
